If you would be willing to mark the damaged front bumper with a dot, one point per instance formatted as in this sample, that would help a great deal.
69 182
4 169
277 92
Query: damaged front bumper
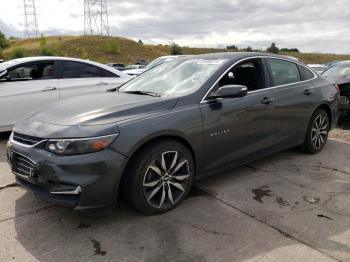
79 181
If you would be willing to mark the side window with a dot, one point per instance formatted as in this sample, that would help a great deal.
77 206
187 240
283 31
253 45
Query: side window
306 74
32 71
109 74
283 72
248 73
70 69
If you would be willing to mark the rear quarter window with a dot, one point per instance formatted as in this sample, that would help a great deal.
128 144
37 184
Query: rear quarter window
283 72
306 74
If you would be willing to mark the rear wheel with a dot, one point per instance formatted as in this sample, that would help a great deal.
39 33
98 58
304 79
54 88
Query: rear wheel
159 177
317 133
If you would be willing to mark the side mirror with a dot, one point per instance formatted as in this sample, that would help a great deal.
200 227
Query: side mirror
231 91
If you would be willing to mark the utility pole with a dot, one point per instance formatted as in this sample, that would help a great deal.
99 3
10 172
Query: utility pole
31 28
96 17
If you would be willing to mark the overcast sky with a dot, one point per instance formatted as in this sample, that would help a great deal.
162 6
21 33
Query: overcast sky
310 25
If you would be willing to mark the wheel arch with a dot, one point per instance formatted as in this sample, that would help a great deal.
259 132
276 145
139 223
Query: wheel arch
153 139
328 110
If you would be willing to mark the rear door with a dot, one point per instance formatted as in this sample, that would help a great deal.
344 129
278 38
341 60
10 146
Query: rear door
25 88
77 78
295 98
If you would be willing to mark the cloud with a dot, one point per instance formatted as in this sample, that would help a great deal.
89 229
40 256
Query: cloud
313 25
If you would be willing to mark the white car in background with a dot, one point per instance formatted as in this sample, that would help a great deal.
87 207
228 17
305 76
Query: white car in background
154 63
318 67
27 84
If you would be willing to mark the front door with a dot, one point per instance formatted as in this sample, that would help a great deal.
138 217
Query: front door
227 123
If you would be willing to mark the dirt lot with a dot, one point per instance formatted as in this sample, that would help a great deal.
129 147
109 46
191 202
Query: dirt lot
287 207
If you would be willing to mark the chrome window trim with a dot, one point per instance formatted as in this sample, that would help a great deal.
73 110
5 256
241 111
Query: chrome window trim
204 100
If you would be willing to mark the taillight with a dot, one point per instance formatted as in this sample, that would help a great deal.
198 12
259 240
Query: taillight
337 87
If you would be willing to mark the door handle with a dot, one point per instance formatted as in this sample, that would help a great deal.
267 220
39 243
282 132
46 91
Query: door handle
102 84
49 88
267 101
308 92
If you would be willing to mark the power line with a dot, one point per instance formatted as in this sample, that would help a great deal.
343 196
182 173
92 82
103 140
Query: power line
96 17
31 28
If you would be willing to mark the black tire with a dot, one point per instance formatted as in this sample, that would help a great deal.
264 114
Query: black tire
146 168
317 132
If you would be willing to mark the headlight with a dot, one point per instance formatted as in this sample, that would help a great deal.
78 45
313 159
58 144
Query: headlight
80 145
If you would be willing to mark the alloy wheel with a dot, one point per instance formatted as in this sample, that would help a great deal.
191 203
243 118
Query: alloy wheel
166 179
319 131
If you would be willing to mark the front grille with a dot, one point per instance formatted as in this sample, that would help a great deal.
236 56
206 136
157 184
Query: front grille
22 165
25 139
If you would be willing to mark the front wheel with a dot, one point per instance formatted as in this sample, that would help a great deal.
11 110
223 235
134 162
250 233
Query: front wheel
317 133
160 177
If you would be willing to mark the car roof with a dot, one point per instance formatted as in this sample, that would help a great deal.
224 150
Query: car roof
235 56
18 61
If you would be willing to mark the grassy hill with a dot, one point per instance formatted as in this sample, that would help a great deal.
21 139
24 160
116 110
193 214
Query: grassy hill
116 49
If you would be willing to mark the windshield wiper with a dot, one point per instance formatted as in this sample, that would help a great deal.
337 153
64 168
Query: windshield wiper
139 92
113 89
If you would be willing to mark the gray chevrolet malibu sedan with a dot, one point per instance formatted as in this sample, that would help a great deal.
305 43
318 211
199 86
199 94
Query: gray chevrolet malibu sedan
178 122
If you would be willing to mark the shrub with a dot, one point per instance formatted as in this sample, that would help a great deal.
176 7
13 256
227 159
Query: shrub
44 49
114 47
175 49
17 53
290 50
273 48
232 47
3 41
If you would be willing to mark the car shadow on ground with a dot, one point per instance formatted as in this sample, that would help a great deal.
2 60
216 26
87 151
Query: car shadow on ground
270 205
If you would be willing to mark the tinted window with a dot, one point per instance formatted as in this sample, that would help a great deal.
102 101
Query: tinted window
79 70
32 71
283 72
306 74
109 74
248 73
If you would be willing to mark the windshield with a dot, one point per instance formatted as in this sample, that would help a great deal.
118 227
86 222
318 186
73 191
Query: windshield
338 71
158 61
174 78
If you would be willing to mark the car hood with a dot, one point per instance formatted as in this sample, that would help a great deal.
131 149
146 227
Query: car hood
338 80
90 112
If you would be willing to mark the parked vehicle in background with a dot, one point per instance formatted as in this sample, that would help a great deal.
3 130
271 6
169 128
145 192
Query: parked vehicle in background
120 67
339 74
141 62
329 64
30 83
154 63
176 123
135 66
318 68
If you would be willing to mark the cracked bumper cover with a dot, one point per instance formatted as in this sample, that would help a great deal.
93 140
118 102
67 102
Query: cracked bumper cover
94 177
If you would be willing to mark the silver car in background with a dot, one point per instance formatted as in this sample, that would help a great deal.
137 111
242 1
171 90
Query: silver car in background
318 67
27 84
154 63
